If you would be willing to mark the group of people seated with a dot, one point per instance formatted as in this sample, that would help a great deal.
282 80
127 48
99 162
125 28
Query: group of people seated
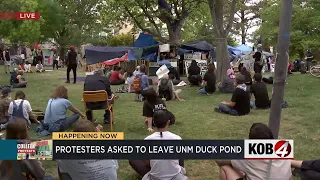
26 67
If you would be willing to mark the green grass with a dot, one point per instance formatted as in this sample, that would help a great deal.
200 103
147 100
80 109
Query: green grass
196 118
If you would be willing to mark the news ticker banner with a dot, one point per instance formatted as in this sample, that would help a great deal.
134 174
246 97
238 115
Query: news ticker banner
107 145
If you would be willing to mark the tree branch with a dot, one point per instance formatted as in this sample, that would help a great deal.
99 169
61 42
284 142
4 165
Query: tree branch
142 28
231 16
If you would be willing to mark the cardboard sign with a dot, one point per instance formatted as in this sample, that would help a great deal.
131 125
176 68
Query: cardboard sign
164 48
201 63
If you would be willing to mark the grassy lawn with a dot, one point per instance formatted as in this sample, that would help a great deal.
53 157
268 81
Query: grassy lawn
195 117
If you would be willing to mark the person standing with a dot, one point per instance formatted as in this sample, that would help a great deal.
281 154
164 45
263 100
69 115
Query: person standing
7 61
309 57
55 61
72 64
258 60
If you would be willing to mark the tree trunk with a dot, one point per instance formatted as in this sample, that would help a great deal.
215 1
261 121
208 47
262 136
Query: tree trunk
174 35
222 58
243 27
281 67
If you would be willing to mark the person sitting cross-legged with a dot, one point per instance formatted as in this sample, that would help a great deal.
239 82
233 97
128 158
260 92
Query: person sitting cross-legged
160 169
97 82
55 119
227 86
240 101
260 91
194 76
209 81
39 67
19 81
256 169
20 108
165 89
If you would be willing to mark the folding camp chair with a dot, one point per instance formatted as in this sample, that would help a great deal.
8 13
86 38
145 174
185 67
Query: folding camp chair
98 96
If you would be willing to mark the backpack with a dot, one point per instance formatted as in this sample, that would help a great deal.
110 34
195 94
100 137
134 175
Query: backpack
136 84
164 89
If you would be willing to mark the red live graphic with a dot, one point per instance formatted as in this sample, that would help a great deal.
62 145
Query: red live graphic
19 15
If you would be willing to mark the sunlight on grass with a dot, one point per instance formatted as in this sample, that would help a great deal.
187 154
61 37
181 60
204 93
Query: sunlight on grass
195 118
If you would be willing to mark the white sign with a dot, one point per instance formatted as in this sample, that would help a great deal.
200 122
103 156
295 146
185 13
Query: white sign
155 64
195 55
201 63
272 66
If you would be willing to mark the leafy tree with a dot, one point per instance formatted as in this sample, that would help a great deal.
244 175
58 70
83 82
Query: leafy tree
164 19
222 22
305 30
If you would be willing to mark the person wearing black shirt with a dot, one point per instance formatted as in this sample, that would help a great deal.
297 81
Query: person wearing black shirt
257 60
7 60
240 101
247 76
194 74
209 81
260 92
97 82
152 104
72 64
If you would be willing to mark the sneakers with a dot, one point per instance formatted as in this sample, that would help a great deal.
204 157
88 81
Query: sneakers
217 110
67 81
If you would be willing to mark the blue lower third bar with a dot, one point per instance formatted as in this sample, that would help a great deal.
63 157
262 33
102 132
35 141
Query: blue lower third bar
8 150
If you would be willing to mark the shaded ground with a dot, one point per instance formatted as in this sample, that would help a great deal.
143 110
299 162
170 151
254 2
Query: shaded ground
195 118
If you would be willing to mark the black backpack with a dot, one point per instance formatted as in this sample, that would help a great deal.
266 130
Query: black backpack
164 89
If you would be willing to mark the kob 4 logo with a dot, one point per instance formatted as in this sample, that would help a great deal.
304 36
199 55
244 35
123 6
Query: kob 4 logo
269 149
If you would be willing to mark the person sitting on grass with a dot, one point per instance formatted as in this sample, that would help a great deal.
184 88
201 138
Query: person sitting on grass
166 91
19 81
27 67
55 118
152 104
20 108
247 76
256 169
23 169
116 78
5 100
194 76
160 169
87 169
227 86
209 81
13 76
97 82
39 67
240 101
260 91
306 170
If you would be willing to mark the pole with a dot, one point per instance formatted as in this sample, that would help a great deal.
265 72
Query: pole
281 66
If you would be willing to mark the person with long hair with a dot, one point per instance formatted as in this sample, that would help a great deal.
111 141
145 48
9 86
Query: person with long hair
194 76
116 78
87 169
72 64
55 118
256 169
152 104
227 86
20 108
23 169
209 81
247 76
19 81
160 169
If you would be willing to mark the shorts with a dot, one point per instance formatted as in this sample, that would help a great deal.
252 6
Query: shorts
7 63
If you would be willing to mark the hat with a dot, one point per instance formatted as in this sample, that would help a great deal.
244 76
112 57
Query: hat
162 71
5 91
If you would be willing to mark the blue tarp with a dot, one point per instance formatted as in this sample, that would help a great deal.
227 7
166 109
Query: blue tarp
244 48
97 54
234 51
144 48
145 40
198 46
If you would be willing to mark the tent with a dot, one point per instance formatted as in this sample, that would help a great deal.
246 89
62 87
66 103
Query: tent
97 54
234 51
145 40
145 47
198 46
244 48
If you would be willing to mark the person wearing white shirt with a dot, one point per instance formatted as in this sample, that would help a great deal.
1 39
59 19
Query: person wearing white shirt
160 169
256 169
100 169
39 67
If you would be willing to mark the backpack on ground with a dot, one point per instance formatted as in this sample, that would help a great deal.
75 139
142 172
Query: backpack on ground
164 89
136 85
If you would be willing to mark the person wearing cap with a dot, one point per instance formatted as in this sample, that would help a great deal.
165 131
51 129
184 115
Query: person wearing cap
5 100
97 82
309 58
72 64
